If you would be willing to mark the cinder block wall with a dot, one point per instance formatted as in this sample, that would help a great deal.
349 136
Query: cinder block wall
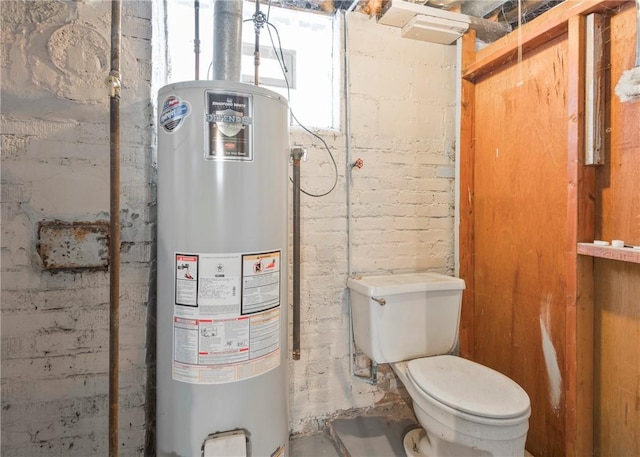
55 166
402 99
55 57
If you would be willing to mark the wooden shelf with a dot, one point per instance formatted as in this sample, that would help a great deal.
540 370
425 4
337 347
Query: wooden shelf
609 252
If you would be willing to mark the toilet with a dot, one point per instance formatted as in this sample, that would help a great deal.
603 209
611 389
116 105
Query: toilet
464 409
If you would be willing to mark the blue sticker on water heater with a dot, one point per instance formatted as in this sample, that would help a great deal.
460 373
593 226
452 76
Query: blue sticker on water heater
174 112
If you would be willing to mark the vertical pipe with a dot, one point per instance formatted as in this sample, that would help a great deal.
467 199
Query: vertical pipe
256 51
114 225
297 154
227 39
373 372
196 40
347 134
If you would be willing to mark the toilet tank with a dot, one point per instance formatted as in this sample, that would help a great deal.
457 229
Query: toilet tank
405 316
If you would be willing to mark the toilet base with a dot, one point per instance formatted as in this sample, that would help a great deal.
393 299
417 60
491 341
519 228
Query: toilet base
417 444
411 442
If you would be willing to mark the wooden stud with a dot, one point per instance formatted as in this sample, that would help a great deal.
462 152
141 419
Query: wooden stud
466 198
580 227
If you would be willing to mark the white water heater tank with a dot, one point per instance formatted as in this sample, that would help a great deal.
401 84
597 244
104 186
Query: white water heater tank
223 154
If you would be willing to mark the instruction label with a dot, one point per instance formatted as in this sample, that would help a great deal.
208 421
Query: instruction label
226 320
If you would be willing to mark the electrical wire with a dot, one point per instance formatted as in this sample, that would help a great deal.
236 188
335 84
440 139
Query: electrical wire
280 58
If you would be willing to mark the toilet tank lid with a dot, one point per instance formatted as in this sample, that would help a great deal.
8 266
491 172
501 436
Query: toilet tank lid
395 284
469 387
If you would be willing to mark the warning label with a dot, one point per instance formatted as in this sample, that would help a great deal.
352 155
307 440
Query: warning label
226 324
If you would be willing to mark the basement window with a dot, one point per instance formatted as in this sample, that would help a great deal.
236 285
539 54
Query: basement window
308 44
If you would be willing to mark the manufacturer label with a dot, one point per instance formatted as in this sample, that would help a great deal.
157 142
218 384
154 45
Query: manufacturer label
228 126
174 112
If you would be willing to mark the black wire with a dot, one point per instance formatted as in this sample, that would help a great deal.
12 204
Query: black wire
286 80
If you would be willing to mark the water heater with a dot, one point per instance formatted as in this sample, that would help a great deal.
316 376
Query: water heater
223 154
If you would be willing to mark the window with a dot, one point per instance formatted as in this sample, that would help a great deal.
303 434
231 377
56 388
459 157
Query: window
309 48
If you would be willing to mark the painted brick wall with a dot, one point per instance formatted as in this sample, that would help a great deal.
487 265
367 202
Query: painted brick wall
55 57
55 164
402 98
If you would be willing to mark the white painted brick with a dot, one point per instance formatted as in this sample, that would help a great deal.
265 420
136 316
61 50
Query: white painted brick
399 118
18 277
93 133
135 26
364 115
432 158
394 188
13 146
372 140
367 86
61 130
17 228
56 167
17 193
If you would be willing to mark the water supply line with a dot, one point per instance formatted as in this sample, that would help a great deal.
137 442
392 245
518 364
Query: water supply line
297 154
372 377
259 20
114 84
196 39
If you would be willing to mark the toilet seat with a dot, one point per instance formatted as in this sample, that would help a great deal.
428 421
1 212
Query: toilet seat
468 387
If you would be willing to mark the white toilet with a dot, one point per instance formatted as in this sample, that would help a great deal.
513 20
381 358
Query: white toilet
465 409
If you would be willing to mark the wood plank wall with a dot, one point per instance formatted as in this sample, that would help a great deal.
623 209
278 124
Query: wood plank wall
617 284
526 200
520 224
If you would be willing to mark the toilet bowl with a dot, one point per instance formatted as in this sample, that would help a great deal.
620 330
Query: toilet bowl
465 409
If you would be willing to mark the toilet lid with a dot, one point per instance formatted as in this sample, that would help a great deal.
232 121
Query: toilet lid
469 387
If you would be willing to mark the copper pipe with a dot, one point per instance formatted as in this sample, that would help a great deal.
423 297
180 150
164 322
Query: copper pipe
114 225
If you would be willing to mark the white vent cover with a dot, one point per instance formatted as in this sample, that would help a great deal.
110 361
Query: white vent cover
421 22
434 29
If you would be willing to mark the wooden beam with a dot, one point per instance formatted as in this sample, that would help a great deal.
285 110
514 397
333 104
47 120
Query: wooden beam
529 36
580 227
466 250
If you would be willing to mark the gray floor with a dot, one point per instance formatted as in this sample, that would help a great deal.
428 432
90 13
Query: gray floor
375 433
318 445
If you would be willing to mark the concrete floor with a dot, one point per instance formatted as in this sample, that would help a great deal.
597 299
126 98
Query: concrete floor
375 433
317 445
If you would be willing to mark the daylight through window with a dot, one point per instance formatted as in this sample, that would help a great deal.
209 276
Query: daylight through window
309 49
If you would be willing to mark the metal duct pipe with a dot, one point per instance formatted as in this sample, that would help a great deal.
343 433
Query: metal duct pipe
114 225
481 8
227 39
